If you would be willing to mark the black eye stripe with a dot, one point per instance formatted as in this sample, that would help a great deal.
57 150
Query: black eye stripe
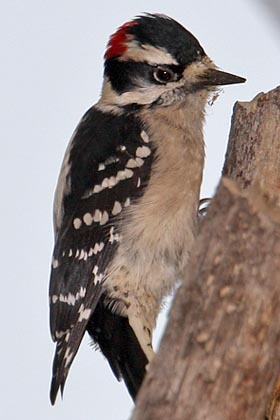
125 75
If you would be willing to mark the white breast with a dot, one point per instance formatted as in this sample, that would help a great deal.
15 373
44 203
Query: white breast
160 227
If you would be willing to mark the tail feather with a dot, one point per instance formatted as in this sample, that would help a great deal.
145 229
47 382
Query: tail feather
69 342
117 341
66 349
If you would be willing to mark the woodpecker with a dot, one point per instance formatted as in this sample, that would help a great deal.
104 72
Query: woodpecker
126 202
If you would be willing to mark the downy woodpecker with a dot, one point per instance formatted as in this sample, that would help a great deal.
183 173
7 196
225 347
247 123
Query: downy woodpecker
127 197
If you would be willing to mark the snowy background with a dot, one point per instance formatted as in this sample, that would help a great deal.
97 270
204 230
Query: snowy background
50 74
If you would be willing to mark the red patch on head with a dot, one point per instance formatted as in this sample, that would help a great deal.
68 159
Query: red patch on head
116 45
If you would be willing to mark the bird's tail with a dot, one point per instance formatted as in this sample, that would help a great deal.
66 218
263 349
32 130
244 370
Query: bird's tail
118 342
66 349
69 342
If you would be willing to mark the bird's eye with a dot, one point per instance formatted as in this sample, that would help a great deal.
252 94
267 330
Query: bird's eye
164 75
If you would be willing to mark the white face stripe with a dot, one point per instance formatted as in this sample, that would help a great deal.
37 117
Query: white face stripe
146 93
147 53
143 95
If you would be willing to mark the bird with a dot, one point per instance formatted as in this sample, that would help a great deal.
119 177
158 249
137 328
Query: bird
126 201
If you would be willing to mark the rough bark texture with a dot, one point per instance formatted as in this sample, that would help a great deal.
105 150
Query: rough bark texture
253 154
219 358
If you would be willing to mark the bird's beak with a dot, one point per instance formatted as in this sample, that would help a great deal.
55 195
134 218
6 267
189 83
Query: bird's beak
214 77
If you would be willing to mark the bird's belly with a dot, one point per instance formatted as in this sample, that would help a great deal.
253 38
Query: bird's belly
149 263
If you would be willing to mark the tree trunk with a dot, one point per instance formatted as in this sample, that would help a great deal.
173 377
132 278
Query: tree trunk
219 357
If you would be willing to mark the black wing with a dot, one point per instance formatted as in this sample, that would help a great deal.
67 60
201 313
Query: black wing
106 168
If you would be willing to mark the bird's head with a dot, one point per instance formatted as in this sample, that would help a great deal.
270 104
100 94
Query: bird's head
154 60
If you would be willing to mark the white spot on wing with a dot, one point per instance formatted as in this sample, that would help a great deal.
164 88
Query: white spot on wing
127 202
134 163
139 161
97 248
131 163
95 269
82 292
98 278
55 264
120 176
128 173
112 181
68 356
138 182
84 313
54 298
121 148
101 246
105 183
59 334
77 223
143 151
97 215
117 208
144 136
70 299
87 218
101 166
97 188
82 254
70 253
111 159
114 237
104 218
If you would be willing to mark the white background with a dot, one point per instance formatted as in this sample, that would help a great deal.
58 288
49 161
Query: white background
50 74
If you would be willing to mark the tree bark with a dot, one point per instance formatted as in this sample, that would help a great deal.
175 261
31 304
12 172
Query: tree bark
253 154
219 357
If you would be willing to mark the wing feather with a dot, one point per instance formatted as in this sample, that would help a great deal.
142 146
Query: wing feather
101 175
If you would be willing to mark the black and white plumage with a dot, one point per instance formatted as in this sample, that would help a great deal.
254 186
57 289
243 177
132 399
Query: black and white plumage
106 178
127 196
